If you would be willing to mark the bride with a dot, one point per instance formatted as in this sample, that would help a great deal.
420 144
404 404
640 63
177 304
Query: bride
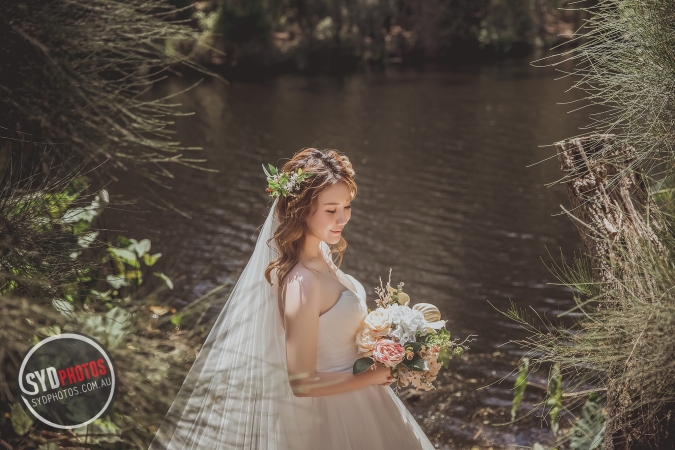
275 372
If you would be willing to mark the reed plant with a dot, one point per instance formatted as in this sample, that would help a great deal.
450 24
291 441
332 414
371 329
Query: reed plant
621 341
74 111
621 344
625 67
73 74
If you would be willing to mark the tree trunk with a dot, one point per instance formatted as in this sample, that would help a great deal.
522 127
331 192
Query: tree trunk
612 209
609 200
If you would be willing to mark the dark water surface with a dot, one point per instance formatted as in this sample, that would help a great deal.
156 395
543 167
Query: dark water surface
445 198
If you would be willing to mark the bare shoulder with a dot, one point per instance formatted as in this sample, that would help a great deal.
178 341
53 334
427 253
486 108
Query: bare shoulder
301 287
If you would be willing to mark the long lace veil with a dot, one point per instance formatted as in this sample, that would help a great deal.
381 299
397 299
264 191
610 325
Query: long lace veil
237 394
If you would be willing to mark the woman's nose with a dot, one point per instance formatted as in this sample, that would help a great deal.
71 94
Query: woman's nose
342 218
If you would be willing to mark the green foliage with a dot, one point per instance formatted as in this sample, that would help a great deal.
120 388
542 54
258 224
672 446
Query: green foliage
554 397
123 256
578 276
40 248
153 362
444 356
505 23
21 422
413 346
283 183
100 430
132 255
166 279
61 217
87 213
50 446
150 260
82 296
45 332
109 329
441 338
519 387
334 35
177 319
587 433
446 346
417 364
618 338
243 22
362 364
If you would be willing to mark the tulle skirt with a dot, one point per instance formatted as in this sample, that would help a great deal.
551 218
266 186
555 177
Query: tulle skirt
371 418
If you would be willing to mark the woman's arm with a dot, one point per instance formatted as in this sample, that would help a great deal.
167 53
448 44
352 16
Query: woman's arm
301 318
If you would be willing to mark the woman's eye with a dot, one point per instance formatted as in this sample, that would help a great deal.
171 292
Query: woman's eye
346 207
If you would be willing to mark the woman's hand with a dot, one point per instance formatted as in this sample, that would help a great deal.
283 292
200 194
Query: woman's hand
379 374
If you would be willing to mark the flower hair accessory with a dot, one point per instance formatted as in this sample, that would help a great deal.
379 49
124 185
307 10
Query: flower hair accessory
284 183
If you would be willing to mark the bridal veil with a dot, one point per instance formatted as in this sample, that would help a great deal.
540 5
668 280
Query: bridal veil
237 394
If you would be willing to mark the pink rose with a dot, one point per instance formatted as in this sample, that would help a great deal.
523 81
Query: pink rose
388 352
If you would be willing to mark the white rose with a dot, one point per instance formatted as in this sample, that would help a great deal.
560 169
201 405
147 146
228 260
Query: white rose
378 322
365 341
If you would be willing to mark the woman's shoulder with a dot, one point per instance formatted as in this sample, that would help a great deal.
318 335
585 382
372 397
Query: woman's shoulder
300 272
300 279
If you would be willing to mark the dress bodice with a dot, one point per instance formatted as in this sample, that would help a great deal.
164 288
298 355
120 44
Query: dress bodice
338 327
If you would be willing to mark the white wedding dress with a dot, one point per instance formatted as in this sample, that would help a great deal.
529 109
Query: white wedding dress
237 394
371 418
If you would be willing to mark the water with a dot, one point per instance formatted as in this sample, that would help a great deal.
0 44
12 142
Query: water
446 199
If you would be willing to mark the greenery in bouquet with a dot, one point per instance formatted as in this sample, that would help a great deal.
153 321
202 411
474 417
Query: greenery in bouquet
412 341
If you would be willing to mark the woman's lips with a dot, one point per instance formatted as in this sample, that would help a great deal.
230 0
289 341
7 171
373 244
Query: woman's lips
336 232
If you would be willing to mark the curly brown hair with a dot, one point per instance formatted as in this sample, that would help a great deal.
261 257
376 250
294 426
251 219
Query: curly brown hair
327 168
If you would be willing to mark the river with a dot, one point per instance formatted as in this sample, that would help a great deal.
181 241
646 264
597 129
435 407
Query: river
452 195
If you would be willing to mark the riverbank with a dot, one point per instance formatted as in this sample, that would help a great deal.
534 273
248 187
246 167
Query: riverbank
255 40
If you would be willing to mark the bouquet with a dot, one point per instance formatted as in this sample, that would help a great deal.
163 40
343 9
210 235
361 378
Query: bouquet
412 341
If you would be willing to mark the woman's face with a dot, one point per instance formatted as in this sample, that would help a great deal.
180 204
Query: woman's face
332 213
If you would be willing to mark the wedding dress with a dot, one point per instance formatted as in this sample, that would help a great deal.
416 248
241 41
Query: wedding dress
373 417
237 393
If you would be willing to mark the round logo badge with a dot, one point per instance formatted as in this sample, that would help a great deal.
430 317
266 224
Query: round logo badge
67 381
